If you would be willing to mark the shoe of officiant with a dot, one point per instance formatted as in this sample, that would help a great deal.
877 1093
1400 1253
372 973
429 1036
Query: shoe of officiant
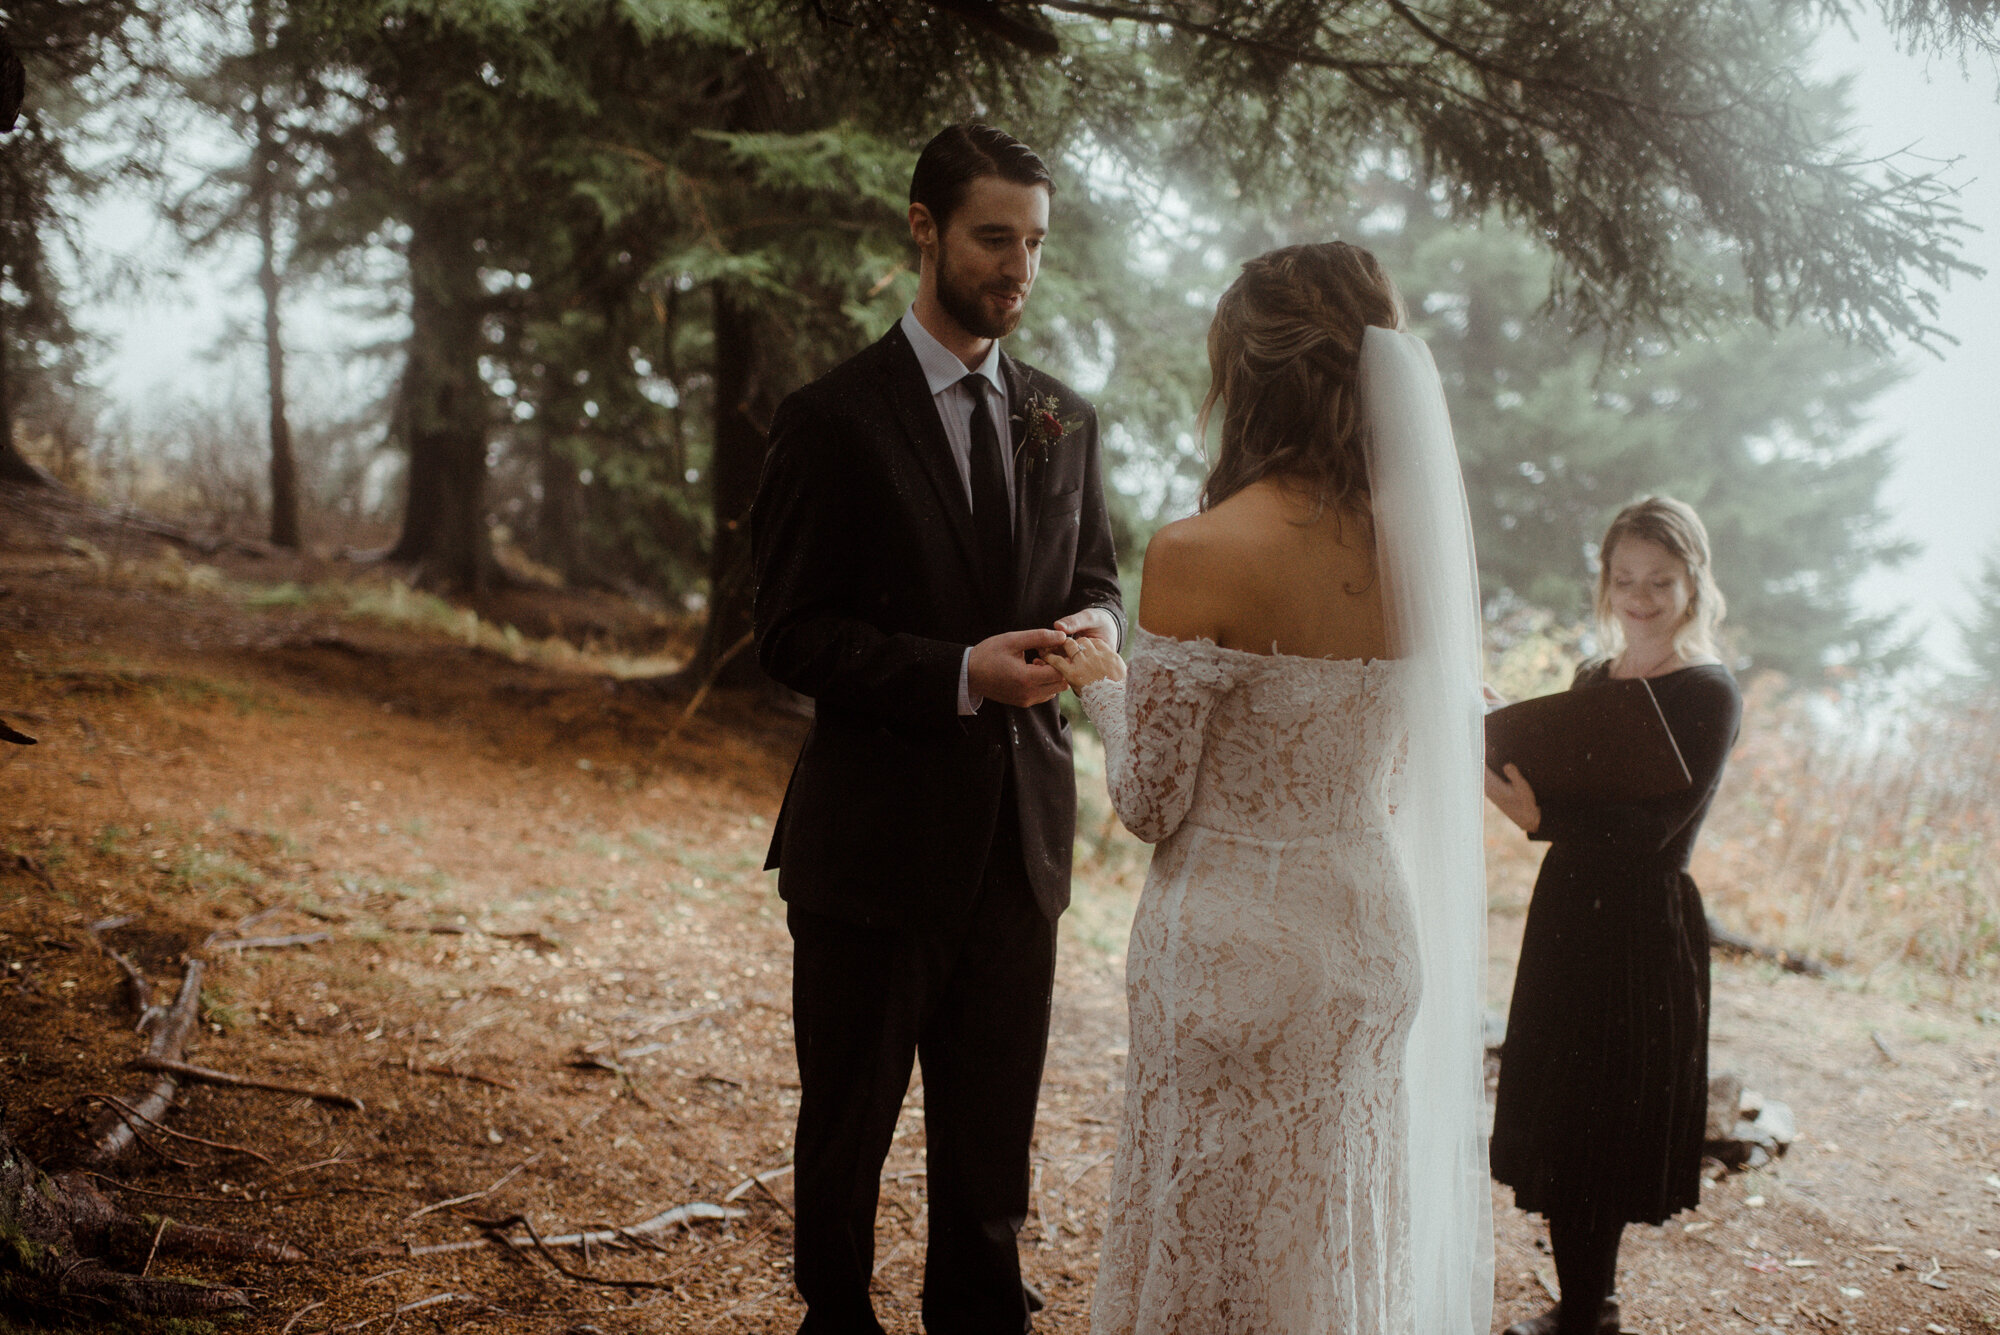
1548 1322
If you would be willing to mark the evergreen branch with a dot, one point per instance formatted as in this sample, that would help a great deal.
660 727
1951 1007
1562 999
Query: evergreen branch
987 14
1486 65
1157 18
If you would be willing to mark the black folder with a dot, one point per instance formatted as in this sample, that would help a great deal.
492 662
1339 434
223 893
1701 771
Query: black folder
1607 742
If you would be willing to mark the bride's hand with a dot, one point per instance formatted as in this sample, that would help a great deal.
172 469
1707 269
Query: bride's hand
1085 660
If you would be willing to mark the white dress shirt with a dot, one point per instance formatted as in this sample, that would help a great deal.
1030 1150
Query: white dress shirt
945 374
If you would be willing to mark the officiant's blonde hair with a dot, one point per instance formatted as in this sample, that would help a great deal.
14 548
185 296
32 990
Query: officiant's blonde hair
1676 527
1283 353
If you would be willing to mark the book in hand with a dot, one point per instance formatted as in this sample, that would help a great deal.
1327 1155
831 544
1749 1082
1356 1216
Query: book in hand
1606 742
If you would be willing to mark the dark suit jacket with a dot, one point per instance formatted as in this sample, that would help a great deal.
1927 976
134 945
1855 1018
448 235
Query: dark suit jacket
868 594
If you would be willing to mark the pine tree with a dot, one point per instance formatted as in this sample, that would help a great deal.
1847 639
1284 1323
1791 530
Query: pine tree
245 85
1979 633
73 54
1763 432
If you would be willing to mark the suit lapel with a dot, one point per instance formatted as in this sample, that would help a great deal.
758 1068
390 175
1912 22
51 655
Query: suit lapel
1027 482
911 394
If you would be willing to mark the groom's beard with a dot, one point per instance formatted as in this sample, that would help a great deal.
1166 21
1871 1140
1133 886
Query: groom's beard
965 301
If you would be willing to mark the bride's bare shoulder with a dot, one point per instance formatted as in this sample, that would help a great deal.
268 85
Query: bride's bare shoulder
1187 581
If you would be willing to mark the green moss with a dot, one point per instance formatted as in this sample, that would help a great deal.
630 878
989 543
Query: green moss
219 1006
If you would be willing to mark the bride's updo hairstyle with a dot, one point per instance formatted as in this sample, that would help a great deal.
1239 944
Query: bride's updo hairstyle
1283 350
1676 527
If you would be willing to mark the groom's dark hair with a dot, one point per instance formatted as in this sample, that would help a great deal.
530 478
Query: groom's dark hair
958 155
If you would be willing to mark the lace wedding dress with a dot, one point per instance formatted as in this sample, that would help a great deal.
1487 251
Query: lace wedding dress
1272 977
1304 1143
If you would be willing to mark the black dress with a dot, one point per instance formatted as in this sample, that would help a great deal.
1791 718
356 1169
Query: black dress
1604 1075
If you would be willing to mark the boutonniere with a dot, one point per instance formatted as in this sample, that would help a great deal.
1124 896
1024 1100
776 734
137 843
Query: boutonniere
1042 425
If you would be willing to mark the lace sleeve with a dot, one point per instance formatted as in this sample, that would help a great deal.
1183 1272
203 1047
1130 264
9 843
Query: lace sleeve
1152 724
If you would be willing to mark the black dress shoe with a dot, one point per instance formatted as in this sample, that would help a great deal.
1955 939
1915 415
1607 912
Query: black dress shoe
1550 1321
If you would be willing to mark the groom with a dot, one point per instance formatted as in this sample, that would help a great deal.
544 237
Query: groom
931 519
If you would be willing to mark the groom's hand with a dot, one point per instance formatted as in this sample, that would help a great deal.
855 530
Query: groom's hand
1092 623
999 669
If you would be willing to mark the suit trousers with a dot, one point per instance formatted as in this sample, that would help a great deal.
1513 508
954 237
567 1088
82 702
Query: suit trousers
969 999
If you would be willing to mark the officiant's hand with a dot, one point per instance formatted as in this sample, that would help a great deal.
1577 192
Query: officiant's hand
1089 659
1515 798
999 668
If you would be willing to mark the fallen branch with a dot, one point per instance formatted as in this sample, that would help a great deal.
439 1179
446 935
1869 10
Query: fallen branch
63 1235
111 1135
410 1065
138 990
762 1182
153 1249
680 1215
182 1135
265 1198
504 1179
123 1111
275 942
708 684
309 1307
116 1185
214 1077
417 1306
335 1161
1721 938
240 926
580 1276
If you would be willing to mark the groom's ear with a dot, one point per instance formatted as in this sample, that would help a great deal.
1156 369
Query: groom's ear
923 228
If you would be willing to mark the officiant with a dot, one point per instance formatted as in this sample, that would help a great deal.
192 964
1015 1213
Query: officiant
1604 1073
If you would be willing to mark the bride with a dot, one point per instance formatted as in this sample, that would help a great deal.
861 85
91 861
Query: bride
1303 1146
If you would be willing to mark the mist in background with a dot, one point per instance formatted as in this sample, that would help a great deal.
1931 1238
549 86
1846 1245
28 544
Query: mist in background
180 332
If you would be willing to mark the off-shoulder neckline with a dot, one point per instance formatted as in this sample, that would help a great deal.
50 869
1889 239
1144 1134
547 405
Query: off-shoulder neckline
1203 642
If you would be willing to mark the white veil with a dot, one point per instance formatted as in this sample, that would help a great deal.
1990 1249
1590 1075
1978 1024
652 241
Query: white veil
1423 540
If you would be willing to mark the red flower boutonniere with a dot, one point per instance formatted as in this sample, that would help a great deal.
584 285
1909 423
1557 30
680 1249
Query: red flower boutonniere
1045 425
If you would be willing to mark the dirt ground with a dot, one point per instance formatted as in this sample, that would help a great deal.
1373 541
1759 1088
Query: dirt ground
542 954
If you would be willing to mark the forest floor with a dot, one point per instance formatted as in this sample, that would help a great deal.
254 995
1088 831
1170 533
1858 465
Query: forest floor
545 958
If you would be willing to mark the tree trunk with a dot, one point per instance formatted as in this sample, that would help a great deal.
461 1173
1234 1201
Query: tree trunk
59 1235
13 467
747 373
284 470
746 395
61 1239
559 530
444 401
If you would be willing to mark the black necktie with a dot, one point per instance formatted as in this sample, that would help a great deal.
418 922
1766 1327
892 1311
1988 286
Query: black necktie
992 517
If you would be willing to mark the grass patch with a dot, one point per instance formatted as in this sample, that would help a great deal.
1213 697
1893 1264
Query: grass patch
199 868
1880 855
397 604
222 1009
